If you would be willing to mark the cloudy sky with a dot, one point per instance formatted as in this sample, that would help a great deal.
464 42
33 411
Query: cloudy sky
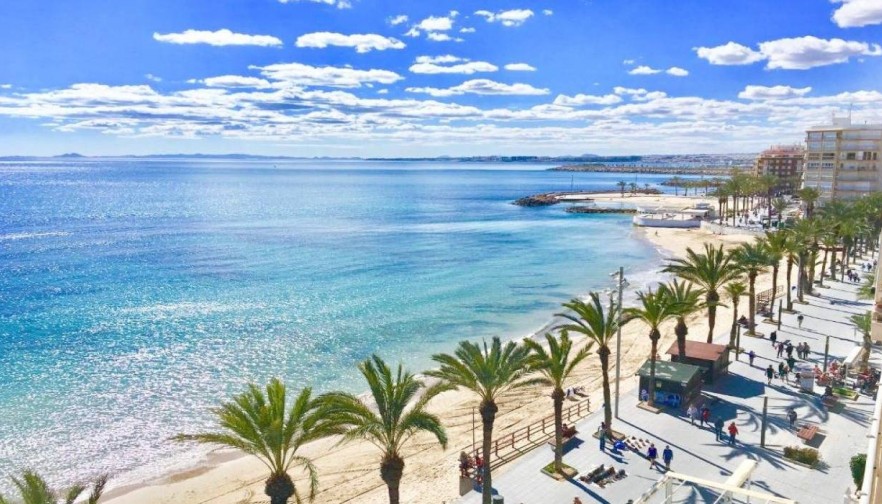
431 77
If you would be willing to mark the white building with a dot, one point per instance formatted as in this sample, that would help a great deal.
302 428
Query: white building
842 160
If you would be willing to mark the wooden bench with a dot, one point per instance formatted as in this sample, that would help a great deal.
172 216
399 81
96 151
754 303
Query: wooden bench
807 433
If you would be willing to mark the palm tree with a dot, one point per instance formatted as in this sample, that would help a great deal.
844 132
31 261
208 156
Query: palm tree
806 234
488 372
655 309
734 290
391 421
711 271
633 187
260 424
600 327
687 301
556 365
779 204
675 182
809 195
776 245
33 489
753 259
863 322
622 185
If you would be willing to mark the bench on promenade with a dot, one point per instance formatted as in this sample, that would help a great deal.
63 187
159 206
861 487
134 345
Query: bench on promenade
807 433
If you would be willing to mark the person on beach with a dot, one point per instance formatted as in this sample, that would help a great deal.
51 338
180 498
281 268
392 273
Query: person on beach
770 373
791 415
718 428
692 413
799 319
751 356
733 431
773 338
667 457
652 455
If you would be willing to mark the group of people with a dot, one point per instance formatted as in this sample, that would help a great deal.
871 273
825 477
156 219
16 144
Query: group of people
703 415
853 276
652 455
466 463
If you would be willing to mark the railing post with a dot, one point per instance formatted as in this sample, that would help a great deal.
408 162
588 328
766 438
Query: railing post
496 449
528 433
512 439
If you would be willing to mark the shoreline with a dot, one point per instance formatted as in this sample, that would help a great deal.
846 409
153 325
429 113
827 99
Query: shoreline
348 473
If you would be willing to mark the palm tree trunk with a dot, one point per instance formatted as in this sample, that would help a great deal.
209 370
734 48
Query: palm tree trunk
391 469
558 396
681 330
654 335
279 488
833 263
604 353
712 299
734 323
775 269
824 267
751 326
789 275
488 411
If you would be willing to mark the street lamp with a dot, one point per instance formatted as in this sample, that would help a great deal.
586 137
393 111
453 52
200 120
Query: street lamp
619 337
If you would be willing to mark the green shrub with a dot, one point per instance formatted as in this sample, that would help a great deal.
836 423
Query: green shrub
858 464
808 456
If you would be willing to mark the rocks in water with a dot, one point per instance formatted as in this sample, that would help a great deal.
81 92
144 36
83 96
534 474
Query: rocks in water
538 200
595 210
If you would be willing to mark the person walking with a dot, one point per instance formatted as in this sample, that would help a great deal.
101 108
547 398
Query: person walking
780 349
806 350
602 436
789 349
773 338
791 415
781 370
799 319
667 457
692 412
652 455
751 356
791 363
718 428
705 416
770 373
733 431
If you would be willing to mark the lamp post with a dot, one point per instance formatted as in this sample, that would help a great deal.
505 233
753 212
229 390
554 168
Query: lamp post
619 337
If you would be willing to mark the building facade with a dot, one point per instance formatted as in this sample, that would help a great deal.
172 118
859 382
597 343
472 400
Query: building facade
843 160
784 162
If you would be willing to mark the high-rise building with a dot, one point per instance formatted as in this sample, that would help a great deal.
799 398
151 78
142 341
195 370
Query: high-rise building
783 161
842 160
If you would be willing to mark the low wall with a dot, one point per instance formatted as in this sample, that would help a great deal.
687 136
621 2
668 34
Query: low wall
715 228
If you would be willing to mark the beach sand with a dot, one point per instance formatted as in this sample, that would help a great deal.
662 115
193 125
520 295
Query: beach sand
350 473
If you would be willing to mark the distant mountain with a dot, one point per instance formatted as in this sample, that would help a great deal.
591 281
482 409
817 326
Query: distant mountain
70 155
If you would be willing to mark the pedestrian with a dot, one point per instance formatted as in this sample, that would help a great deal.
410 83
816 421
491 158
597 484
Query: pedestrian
770 373
718 427
786 374
705 416
791 363
780 349
751 356
799 320
652 454
791 415
806 350
799 350
733 431
781 370
773 338
692 412
789 349
667 456
602 436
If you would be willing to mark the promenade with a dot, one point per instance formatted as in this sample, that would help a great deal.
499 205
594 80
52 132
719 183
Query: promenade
737 397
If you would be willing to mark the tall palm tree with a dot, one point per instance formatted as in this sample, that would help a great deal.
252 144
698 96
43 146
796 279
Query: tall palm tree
776 245
863 322
806 234
676 182
734 291
633 187
779 204
33 489
753 259
809 196
488 372
711 271
688 301
600 327
391 420
261 424
556 364
622 185
656 308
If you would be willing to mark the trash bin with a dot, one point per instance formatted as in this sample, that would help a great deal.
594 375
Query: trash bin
497 499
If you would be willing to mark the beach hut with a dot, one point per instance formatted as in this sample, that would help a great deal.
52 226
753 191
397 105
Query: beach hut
713 359
676 384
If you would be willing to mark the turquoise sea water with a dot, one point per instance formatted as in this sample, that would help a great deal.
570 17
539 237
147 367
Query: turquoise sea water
134 295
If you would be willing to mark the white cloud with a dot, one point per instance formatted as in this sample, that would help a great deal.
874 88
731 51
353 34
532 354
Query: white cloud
772 92
152 77
798 53
443 65
413 32
340 4
433 23
514 17
441 37
5 86
399 19
520 67
856 13
639 94
583 99
222 37
306 75
482 87
729 54
547 12
808 52
677 72
233 81
644 70
383 91
362 42
467 30
628 62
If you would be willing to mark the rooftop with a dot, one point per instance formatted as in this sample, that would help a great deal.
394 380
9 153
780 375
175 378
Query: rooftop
699 350
671 371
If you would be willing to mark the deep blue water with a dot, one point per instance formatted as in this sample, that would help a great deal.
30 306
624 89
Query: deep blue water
134 295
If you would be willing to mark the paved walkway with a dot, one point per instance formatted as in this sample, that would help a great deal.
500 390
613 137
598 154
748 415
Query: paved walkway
737 397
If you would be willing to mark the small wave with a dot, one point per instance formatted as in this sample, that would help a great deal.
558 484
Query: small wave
26 236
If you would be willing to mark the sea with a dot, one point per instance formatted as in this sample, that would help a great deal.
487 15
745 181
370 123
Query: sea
136 294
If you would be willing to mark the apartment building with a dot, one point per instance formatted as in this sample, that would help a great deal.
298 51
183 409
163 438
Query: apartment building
784 162
842 160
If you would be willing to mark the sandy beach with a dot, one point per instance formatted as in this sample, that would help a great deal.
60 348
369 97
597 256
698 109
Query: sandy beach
350 473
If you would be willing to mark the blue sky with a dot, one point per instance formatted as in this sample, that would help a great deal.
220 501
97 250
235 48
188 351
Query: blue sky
408 78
